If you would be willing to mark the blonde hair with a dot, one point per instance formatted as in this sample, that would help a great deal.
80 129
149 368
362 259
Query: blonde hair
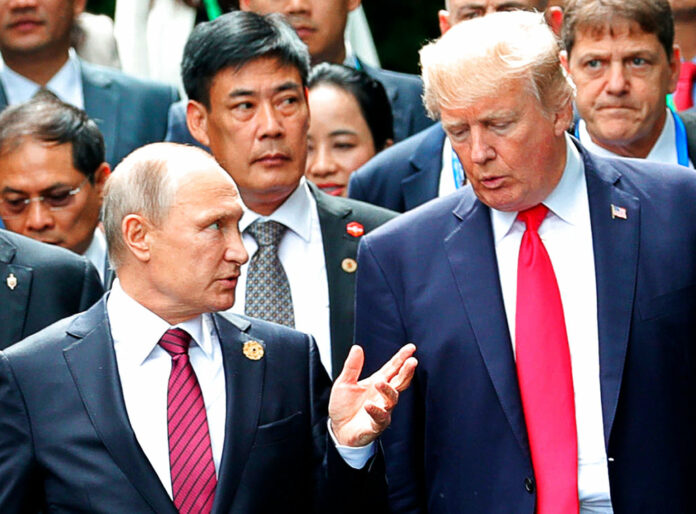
478 57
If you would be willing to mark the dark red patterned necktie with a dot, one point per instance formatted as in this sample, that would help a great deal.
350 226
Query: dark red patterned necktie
544 373
190 453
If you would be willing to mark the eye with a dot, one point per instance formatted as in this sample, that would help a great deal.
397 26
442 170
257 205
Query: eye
638 61
593 64
15 205
58 198
470 15
344 146
215 225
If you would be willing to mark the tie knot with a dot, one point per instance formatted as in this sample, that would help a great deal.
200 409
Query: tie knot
175 341
266 233
533 217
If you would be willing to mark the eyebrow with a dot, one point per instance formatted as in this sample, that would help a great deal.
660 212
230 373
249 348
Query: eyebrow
342 132
8 189
285 86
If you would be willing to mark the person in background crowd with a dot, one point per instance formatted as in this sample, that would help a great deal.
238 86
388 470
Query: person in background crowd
52 176
684 14
40 284
425 166
35 43
550 302
350 122
152 402
622 58
245 75
321 25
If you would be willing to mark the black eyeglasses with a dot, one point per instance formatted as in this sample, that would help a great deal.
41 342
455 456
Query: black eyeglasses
54 200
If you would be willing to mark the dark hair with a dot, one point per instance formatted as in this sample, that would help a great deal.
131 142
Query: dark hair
653 17
369 93
233 40
48 119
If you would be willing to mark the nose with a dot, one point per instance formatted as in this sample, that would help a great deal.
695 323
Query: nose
297 7
235 251
481 151
617 82
321 163
22 4
38 217
270 124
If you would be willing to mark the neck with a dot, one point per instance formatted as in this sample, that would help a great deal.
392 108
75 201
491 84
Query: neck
37 68
335 55
637 148
266 203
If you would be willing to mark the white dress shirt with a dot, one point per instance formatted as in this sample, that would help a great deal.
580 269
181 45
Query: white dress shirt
66 84
447 183
301 252
144 368
567 235
96 252
663 151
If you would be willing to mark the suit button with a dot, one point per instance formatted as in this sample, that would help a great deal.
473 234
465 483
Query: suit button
529 485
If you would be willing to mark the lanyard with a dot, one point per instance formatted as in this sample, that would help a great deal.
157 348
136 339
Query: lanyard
679 136
212 9
457 171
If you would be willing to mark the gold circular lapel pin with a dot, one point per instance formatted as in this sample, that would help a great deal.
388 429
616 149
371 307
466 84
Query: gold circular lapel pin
349 265
253 350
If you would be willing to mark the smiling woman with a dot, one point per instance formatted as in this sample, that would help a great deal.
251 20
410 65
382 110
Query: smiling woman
351 120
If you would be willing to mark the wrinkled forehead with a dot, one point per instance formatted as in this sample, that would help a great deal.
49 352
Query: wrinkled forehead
613 27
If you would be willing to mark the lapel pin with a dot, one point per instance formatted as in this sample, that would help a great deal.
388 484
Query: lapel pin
349 265
355 229
11 281
618 212
253 350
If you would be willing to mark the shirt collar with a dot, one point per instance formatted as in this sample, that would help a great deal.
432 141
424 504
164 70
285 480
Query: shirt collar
294 212
138 329
664 150
96 251
565 201
66 84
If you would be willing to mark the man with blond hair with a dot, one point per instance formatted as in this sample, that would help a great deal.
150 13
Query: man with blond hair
550 302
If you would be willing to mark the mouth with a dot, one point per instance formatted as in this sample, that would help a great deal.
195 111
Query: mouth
25 24
272 159
332 188
492 182
229 282
303 29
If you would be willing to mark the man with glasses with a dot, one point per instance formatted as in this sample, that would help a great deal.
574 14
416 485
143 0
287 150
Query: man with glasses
52 173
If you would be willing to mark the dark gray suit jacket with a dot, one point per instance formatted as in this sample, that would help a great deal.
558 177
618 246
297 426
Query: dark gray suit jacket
129 111
66 444
40 284
334 215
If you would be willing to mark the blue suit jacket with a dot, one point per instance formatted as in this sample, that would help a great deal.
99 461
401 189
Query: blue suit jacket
404 176
66 444
129 111
458 441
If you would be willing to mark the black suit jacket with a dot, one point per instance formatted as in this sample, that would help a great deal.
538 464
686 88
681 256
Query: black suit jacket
50 283
66 444
335 214
130 112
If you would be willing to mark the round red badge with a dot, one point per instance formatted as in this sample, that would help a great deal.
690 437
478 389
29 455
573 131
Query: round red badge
355 229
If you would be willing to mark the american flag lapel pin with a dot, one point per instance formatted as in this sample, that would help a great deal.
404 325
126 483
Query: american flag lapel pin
618 212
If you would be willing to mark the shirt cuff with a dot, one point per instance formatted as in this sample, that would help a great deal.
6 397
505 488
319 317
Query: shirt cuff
355 456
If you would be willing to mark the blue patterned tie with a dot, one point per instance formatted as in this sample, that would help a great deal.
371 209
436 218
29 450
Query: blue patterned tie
268 294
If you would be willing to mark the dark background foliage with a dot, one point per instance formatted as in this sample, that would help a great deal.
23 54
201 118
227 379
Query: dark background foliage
404 25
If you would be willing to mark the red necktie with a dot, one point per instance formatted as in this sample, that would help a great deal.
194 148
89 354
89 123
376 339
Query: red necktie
544 373
190 453
683 93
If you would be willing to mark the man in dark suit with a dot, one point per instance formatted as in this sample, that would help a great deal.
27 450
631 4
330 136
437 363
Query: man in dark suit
35 47
245 76
555 365
321 25
622 109
39 285
149 403
424 166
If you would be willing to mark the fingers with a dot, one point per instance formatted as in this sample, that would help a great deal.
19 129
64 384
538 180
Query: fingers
394 364
380 417
403 379
353 365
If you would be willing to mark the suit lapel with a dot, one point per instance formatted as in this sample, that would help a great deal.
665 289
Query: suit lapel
426 161
101 103
14 301
338 245
92 363
616 243
471 253
243 388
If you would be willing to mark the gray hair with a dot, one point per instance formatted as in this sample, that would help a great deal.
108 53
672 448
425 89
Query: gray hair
475 57
143 183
